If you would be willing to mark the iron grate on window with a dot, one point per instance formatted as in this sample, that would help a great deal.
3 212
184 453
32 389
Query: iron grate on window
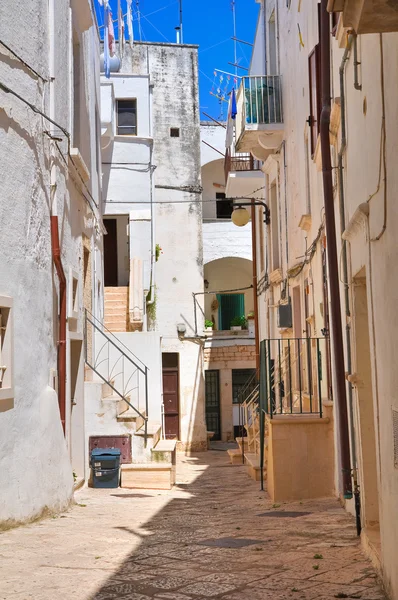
395 434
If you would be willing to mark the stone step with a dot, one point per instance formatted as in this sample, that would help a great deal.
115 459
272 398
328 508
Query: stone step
253 466
235 456
150 476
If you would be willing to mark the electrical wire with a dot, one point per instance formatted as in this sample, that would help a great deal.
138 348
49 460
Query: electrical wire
23 62
66 133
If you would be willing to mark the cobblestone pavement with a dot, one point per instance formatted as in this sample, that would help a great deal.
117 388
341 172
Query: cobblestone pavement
215 535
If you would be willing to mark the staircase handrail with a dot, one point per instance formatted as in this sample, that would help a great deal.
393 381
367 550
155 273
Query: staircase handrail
144 370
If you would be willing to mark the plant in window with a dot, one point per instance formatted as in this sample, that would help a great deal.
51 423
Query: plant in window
209 325
238 323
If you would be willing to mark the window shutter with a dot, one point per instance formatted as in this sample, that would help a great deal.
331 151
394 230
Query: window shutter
230 306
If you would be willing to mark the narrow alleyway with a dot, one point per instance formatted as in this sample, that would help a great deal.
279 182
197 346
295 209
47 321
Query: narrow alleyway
215 535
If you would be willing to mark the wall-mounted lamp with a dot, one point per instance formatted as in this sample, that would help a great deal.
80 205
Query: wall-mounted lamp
206 284
240 216
181 328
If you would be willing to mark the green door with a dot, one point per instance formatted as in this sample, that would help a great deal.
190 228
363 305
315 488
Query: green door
229 307
212 396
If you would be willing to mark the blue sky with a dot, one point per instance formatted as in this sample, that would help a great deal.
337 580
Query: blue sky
207 23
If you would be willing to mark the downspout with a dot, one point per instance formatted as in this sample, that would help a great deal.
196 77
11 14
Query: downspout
351 39
56 254
338 353
255 297
55 247
152 188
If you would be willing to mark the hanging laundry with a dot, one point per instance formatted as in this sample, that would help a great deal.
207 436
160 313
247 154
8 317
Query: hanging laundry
107 63
120 28
232 112
130 21
111 34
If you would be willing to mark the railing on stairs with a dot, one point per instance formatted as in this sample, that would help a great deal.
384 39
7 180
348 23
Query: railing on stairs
117 366
248 407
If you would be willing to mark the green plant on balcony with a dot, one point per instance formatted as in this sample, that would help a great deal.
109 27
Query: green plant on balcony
239 323
209 325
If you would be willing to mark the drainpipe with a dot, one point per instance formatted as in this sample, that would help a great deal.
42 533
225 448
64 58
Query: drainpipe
255 298
338 353
351 39
56 254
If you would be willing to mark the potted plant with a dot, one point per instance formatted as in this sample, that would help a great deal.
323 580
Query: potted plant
238 323
208 325
250 324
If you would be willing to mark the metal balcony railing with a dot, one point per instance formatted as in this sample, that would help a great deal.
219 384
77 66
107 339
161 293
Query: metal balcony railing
291 376
263 100
240 162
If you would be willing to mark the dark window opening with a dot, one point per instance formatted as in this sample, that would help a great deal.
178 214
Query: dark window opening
174 132
170 360
241 379
126 117
224 207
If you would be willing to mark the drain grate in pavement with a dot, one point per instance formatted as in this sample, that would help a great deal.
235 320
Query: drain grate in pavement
284 513
229 542
132 495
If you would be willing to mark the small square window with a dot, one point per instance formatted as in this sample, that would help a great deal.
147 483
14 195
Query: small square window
126 117
174 132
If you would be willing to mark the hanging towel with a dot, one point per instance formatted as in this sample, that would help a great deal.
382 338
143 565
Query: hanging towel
107 65
111 34
232 112
130 21
120 28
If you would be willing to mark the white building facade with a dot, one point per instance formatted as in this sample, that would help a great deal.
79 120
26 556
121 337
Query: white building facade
51 246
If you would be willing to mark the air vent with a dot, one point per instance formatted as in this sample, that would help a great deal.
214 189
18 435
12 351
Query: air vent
395 434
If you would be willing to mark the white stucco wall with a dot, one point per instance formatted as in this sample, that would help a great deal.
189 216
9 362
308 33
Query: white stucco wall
35 457
373 262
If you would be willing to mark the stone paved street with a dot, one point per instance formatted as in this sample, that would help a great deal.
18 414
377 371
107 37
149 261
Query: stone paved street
215 535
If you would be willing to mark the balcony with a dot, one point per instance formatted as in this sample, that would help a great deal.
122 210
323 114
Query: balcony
242 174
367 16
259 122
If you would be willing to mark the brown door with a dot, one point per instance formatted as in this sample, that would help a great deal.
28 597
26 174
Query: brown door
110 253
170 395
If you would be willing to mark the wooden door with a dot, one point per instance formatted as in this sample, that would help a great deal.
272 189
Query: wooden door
110 253
171 396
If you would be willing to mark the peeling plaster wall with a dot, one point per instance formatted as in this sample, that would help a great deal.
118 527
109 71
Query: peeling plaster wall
35 457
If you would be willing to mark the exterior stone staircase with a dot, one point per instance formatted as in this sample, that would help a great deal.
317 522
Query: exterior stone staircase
248 451
116 308
153 460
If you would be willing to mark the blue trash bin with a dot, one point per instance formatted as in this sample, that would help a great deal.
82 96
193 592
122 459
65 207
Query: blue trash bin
105 465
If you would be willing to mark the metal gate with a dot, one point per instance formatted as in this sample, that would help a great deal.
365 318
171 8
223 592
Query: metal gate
212 394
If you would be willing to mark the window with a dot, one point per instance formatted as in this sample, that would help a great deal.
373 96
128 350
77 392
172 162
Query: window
224 207
6 349
229 307
126 117
240 379
174 132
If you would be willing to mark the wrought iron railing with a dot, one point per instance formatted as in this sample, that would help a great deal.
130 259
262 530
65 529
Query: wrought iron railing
117 366
240 162
291 375
263 99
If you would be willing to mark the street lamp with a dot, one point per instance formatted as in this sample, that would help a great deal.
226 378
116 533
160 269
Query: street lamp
240 216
